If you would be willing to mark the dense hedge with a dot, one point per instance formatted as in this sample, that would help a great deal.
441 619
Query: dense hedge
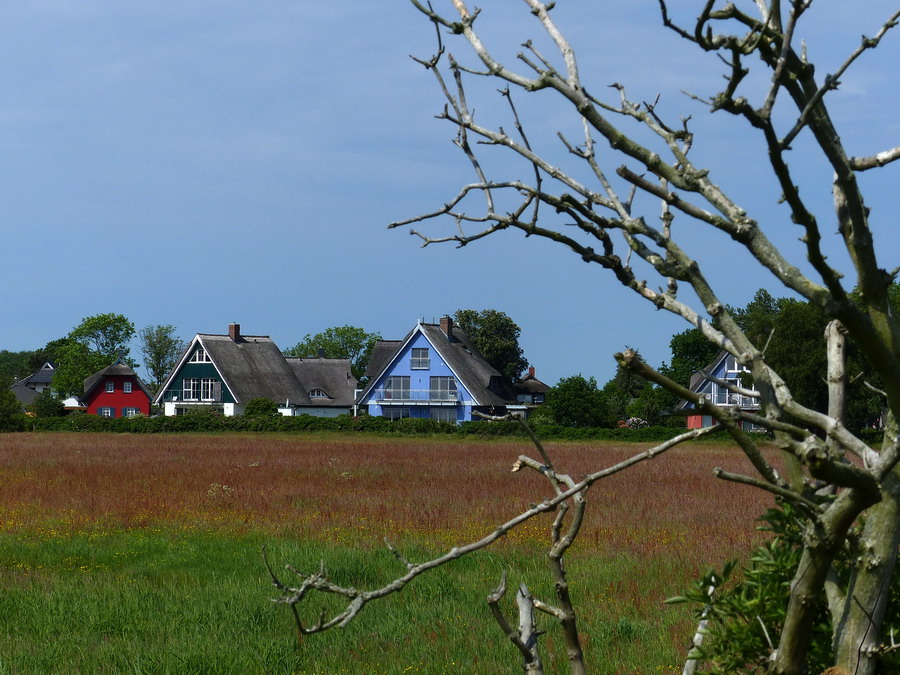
205 422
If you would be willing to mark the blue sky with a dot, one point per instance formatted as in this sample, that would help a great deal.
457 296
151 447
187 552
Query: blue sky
203 163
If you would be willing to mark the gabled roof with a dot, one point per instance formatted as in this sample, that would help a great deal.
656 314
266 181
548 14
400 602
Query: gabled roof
119 368
43 375
25 395
480 379
382 354
698 379
333 376
531 385
253 367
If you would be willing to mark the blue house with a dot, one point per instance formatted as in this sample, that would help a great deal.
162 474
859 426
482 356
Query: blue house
717 383
434 372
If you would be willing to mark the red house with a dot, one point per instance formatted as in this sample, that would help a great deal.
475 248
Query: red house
116 391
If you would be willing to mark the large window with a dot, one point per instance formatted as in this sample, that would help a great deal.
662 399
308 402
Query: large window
420 360
443 389
190 389
397 387
444 414
210 389
200 356
392 413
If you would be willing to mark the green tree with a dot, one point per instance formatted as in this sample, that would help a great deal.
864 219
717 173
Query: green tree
261 407
47 405
341 342
496 336
160 348
92 345
576 402
11 417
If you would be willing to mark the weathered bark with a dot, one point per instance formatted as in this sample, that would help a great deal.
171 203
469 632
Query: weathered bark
857 631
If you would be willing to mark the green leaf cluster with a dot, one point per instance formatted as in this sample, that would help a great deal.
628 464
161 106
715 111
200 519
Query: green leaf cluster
496 336
340 342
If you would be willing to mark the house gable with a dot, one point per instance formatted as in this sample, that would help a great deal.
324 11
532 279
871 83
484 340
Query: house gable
433 372
116 391
196 364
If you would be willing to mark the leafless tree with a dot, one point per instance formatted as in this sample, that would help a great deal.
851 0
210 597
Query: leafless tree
599 213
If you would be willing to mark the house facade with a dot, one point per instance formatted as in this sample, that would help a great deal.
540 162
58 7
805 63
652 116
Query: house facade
530 390
28 388
716 383
433 373
116 391
223 372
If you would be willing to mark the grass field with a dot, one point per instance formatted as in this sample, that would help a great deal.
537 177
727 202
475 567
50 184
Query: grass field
142 553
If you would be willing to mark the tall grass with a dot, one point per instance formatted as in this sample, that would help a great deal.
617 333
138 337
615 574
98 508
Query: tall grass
142 553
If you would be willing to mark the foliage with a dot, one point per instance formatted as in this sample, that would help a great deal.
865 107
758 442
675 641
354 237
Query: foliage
91 346
47 405
576 402
341 342
745 610
261 407
11 417
14 365
206 422
160 348
496 336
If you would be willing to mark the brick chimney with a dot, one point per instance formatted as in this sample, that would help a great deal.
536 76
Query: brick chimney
234 332
531 372
447 326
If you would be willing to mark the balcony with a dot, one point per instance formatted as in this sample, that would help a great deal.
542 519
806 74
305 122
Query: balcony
416 397
727 398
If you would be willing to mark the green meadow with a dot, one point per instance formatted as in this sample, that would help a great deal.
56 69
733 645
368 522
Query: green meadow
143 553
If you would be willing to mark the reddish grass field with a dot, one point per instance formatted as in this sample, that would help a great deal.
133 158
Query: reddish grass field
350 490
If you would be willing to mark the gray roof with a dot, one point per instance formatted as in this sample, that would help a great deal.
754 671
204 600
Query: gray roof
531 385
25 395
382 353
332 376
254 367
698 379
117 368
482 380
43 375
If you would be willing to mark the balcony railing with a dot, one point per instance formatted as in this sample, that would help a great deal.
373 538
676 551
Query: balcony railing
179 396
416 396
729 398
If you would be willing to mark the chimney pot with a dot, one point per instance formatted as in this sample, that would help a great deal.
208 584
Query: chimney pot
234 331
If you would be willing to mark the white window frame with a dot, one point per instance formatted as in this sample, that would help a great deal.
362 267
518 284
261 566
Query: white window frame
318 393
126 387
190 389
110 387
420 360
208 388
397 387
106 411
200 356
442 388
130 412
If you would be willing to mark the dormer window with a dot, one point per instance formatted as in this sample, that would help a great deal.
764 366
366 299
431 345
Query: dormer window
318 393
200 356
